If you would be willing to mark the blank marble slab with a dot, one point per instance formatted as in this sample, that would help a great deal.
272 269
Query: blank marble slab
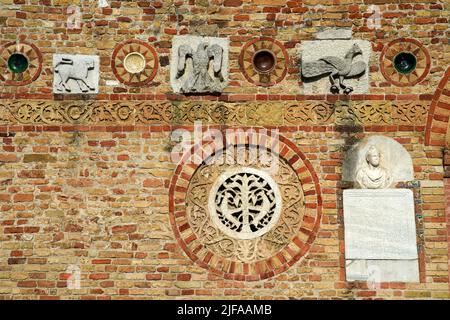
379 224
382 270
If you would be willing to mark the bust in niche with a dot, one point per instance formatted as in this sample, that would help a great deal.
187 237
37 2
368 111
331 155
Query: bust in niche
371 175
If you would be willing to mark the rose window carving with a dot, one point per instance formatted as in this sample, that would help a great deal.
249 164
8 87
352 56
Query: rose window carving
245 219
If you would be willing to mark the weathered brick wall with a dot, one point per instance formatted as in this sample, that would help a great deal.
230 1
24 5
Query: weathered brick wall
93 193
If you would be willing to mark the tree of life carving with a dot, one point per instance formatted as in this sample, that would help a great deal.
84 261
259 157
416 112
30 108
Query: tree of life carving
245 204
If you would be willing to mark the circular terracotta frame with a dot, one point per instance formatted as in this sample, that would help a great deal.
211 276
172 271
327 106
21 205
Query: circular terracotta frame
280 55
412 46
146 47
257 270
20 47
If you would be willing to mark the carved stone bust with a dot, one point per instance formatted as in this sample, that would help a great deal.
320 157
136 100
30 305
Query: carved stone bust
371 175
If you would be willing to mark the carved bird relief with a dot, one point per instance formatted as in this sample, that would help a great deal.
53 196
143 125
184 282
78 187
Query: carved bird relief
199 78
336 67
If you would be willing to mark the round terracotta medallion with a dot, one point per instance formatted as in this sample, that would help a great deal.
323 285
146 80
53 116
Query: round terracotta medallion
20 63
405 62
264 61
134 62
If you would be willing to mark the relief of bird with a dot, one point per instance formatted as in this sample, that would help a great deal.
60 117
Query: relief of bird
199 79
336 67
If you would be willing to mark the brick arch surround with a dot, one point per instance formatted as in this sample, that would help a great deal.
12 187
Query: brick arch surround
438 134
438 123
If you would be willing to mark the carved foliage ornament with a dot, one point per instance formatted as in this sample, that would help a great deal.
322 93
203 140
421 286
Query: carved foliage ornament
251 113
20 63
405 62
245 203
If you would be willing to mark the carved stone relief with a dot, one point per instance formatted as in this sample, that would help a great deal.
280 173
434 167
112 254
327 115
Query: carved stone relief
187 112
349 64
75 73
245 203
199 64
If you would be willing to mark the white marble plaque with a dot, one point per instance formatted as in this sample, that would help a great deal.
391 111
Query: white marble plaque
379 224
75 73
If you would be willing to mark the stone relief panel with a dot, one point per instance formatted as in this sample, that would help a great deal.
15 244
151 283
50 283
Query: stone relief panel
346 71
199 64
377 162
75 73
187 112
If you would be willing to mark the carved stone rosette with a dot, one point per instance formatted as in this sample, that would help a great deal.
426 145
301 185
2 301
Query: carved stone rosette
243 219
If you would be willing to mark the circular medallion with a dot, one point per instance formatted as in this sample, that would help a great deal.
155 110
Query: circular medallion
245 219
245 203
264 61
405 62
134 62
20 63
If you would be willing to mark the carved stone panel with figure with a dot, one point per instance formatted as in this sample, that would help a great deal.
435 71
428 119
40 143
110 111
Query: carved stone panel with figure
75 73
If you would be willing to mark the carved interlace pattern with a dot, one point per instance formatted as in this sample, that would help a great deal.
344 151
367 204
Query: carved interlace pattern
238 242
246 204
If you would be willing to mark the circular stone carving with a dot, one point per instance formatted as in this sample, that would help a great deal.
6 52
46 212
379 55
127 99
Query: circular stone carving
405 62
287 202
264 61
245 203
20 63
134 62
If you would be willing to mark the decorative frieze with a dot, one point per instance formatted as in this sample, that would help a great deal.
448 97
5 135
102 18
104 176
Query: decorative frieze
229 113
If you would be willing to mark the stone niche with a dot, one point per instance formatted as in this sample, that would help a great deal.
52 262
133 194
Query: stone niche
346 60
75 73
199 64
379 219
